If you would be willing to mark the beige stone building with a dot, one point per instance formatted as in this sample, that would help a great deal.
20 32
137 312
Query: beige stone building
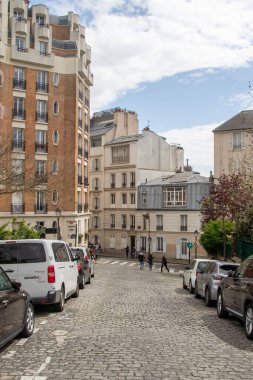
233 145
45 81
121 159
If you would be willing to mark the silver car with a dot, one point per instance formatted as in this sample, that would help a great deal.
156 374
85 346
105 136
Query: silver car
207 283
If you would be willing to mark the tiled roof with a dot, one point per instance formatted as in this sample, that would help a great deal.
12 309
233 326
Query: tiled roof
178 178
99 129
243 120
125 139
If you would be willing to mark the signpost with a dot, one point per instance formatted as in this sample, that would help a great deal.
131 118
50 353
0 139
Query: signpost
189 245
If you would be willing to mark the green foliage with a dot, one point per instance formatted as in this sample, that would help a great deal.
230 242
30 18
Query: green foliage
212 237
20 230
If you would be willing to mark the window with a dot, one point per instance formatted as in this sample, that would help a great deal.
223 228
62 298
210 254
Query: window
17 167
238 140
124 179
96 164
60 252
112 199
132 196
124 199
80 119
184 249
144 220
41 113
96 141
54 197
144 198
174 196
124 221
18 14
19 78
55 138
159 244
41 137
96 183
21 44
1 79
159 222
17 203
132 179
18 138
132 221
112 217
54 167
143 243
42 81
112 180
40 20
183 222
40 201
56 79
40 169
120 154
80 91
43 46
56 107
31 253
18 110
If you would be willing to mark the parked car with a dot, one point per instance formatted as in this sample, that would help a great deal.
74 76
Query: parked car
45 268
83 265
16 310
207 283
193 271
235 295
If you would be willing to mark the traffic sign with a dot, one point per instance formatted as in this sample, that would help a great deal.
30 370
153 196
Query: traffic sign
189 245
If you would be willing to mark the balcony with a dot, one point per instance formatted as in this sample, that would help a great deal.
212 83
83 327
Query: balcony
96 207
18 114
42 87
79 207
40 208
43 31
132 226
18 145
19 84
80 151
84 71
183 228
41 148
86 155
41 117
17 208
86 181
31 56
79 180
85 206
41 177
96 188
159 228
21 25
123 226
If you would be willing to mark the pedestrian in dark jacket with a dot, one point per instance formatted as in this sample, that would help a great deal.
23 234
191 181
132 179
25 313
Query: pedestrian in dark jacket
164 264
127 251
150 261
141 259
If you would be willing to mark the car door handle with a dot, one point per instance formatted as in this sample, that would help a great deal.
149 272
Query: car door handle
9 271
5 303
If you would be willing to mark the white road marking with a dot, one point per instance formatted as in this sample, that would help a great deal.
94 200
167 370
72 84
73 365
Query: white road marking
132 264
33 378
36 330
124 263
43 322
9 355
43 366
106 262
172 270
115 262
22 342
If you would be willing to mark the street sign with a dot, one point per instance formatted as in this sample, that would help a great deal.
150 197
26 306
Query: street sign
189 245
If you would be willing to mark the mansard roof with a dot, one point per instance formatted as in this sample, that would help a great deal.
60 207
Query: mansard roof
178 179
243 120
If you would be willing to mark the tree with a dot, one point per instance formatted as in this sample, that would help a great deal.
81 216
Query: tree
21 230
212 237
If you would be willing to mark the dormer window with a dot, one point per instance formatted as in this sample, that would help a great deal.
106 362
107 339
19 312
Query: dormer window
40 20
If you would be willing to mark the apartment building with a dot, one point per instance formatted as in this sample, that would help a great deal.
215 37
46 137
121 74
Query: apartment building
121 159
45 82
233 142
168 214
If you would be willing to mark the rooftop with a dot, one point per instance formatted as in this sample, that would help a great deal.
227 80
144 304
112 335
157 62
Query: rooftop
243 120
178 178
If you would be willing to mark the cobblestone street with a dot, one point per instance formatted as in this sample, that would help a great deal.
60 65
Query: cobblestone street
130 324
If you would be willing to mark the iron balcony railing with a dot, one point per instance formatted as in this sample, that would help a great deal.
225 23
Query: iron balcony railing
80 151
41 116
19 83
42 86
79 207
183 228
132 184
18 145
86 155
40 208
86 181
123 226
159 228
41 177
17 208
132 226
22 49
85 206
18 113
41 148
79 180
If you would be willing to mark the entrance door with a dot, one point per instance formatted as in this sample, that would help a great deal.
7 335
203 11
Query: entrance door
132 241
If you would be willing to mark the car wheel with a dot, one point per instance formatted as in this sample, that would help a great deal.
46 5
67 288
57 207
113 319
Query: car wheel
184 286
221 312
207 300
248 321
29 321
59 306
191 289
76 294
196 294
81 285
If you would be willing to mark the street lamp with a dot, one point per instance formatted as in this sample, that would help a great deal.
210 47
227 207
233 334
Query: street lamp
147 216
196 234
58 214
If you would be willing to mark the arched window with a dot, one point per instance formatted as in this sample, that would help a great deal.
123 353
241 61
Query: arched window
56 107
54 167
55 137
56 79
54 197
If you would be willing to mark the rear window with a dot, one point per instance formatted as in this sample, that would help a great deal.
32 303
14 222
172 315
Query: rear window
22 253
60 252
201 265
223 269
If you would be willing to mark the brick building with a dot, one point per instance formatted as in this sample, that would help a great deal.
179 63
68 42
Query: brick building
45 84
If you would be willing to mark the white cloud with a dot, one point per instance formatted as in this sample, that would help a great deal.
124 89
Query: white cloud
242 101
197 142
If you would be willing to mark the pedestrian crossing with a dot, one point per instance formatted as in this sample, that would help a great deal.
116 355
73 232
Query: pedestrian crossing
156 266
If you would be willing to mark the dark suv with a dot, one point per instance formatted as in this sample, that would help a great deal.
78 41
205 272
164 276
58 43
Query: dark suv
235 295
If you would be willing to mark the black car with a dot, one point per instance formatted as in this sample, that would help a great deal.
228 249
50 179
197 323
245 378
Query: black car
235 295
84 275
16 310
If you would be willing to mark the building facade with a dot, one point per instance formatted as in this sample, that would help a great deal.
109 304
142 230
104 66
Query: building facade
45 82
233 145
120 160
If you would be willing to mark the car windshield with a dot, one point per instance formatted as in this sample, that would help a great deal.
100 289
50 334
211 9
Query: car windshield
201 265
223 269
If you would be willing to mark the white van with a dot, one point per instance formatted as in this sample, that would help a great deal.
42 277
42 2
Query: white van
46 269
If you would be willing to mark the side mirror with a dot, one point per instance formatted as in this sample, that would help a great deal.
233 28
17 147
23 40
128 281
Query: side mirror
16 285
186 268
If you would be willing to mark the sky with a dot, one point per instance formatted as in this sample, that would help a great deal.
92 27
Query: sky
184 66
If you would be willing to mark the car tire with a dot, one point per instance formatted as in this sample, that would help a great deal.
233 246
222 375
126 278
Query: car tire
184 286
81 285
196 294
76 294
29 321
191 289
248 321
59 306
221 312
207 299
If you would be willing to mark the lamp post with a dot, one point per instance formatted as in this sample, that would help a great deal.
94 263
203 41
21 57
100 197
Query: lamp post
58 214
147 216
196 234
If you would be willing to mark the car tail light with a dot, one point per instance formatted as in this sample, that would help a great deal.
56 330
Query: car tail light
217 277
51 274
79 267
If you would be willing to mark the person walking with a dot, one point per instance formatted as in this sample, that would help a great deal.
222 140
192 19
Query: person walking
141 259
164 264
150 261
127 251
